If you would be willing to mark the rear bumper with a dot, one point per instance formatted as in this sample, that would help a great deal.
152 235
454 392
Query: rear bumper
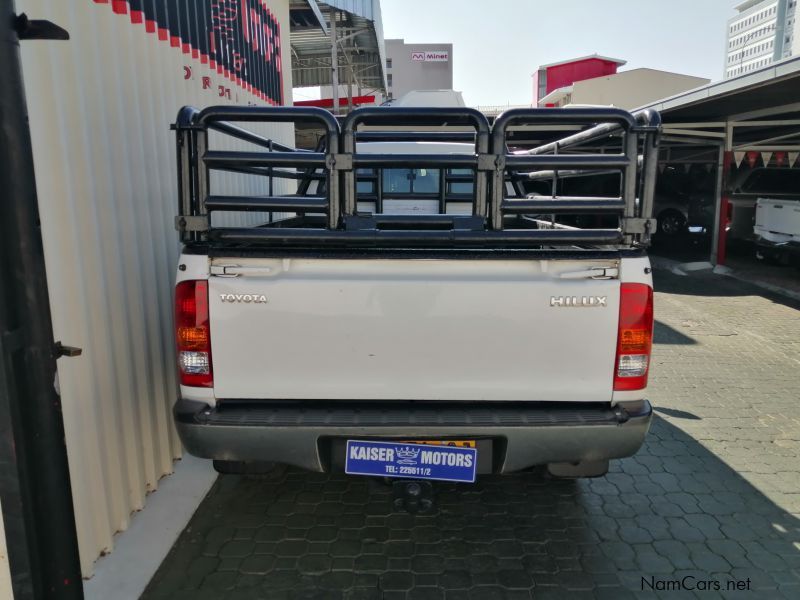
523 434
789 247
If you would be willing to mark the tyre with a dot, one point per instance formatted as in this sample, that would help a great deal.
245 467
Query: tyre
671 224
771 257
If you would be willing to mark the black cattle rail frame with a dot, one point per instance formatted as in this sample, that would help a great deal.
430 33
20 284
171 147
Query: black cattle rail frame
499 220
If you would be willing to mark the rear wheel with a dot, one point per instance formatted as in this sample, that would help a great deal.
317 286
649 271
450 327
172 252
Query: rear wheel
772 257
671 224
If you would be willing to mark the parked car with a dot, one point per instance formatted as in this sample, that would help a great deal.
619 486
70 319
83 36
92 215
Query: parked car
748 185
684 200
777 230
411 317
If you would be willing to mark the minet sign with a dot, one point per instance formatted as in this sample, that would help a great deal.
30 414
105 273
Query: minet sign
430 56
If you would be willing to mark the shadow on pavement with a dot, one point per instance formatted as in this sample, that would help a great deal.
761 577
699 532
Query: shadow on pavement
708 284
675 512
678 414
664 334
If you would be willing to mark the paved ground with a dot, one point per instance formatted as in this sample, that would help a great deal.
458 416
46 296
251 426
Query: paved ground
713 495
741 257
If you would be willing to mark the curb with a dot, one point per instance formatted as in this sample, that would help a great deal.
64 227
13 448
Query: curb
684 269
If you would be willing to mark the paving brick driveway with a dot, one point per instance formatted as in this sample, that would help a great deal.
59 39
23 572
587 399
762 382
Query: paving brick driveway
714 494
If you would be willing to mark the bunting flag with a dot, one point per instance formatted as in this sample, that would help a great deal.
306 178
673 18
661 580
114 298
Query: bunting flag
752 158
793 157
661 167
766 157
780 159
739 157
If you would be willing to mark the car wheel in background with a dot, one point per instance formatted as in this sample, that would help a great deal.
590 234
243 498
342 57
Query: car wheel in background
671 224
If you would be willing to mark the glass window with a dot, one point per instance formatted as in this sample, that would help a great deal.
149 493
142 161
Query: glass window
460 187
365 186
396 181
411 181
426 181
772 181
388 63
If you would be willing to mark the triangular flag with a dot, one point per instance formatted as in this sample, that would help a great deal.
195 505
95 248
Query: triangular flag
766 157
793 158
739 157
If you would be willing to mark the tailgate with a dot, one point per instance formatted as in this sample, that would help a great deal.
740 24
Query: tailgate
413 329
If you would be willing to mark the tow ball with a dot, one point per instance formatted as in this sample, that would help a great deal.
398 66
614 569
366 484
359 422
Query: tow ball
413 496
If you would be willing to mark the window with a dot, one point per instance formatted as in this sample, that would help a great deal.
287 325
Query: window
410 181
388 63
772 181
389 79
365 186
461 187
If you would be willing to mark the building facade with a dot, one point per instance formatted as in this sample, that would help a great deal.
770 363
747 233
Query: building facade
628 89
553 76
100 107
412 67
762 32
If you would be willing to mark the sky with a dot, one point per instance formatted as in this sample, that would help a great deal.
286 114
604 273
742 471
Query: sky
498 44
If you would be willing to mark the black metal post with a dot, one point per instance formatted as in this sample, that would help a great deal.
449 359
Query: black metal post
34 475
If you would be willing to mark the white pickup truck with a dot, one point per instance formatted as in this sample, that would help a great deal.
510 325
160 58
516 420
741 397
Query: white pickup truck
409 312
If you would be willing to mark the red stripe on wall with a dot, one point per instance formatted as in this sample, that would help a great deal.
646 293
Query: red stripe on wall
175 41
137 16
120 6
150 26
163 34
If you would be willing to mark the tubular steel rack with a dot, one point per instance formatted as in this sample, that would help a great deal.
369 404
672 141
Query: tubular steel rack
500 221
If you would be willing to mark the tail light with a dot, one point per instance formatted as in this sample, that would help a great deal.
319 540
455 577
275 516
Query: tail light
193 333
635 336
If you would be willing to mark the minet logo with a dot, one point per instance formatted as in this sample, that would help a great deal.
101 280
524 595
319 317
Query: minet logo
578 301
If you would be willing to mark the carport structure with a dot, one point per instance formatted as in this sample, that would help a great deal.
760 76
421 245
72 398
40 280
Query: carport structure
754 118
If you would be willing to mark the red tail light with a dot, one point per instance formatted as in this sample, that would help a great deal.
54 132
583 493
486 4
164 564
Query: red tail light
635 336
193 333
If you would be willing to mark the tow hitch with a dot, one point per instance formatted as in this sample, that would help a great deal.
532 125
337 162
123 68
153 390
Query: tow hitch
413 496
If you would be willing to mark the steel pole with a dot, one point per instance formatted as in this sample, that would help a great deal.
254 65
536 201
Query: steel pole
34 474
334 63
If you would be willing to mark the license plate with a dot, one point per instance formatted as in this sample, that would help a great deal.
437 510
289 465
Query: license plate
459 443
410 460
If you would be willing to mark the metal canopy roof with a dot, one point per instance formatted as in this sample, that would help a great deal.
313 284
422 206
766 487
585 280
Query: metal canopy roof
772 91
359 32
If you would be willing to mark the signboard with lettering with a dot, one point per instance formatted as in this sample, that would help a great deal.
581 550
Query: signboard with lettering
430 56
240 39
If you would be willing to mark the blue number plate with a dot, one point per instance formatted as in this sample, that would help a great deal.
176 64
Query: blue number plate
416 461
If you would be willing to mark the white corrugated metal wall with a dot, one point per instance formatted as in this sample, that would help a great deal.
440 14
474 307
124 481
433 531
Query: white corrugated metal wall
100 107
